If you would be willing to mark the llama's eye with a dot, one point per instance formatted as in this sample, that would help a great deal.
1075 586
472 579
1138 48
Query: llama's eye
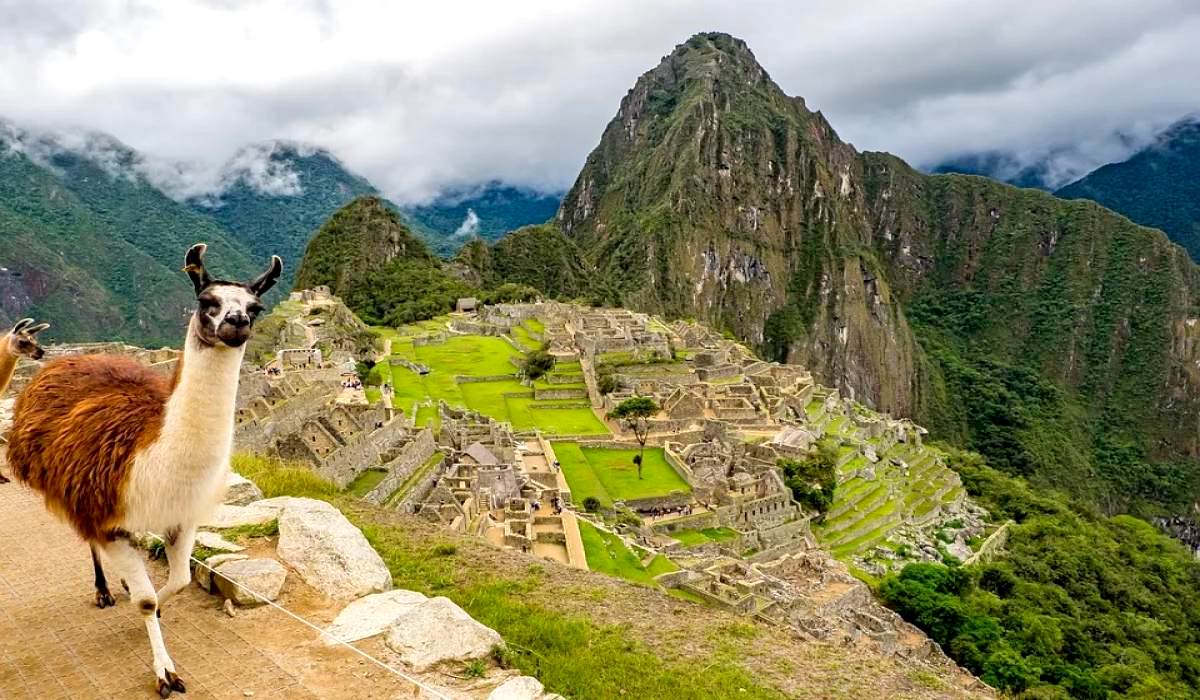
254 309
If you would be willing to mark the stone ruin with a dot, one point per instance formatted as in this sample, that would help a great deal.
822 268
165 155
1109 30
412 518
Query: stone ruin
489 484
296 416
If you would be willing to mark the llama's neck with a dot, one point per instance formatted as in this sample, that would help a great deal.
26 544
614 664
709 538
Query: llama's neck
8 364
201 408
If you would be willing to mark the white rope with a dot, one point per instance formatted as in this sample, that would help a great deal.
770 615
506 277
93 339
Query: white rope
429 689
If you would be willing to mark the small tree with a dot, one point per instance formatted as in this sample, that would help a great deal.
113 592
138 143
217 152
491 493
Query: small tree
632 413
591 504
538 362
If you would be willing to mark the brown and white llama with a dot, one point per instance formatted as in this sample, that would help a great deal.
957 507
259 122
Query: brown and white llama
116 449
19 342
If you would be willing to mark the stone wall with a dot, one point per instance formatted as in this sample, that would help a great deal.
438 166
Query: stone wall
991 546
558 394
284 418
415 453
365 450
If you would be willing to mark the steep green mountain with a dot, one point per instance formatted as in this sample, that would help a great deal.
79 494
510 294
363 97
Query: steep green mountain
88 244
538 256
369 257
1158 186
1057 338
488 211
274 195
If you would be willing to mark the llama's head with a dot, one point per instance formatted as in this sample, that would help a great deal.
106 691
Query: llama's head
22 339
226 311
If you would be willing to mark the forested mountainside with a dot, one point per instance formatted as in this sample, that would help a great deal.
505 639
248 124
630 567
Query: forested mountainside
274 195
998 166
488 212
82 221
1158 186
1056 337
368 256
90 245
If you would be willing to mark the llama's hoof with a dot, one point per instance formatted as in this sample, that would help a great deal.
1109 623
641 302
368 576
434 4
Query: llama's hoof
3 479
170 683
104 599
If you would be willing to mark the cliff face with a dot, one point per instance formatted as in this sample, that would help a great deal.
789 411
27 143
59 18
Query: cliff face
1052 335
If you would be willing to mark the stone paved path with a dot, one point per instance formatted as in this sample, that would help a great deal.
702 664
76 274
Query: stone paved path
54 643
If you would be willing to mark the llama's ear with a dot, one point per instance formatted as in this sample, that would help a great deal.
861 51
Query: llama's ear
21 324
34 330
266 280
193 264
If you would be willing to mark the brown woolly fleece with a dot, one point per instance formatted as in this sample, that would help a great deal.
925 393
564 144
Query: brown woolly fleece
76 430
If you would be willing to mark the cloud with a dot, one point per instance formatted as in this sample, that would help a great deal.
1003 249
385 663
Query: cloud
424 97
469 226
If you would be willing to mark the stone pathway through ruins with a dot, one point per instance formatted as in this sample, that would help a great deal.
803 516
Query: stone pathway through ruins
54 643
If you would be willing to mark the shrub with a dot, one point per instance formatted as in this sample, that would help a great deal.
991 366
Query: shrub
537 363
591 504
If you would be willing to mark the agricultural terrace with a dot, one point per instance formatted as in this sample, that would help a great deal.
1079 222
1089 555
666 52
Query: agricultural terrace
610 474
608 553
501 396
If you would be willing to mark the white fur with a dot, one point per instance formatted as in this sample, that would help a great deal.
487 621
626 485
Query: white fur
177 481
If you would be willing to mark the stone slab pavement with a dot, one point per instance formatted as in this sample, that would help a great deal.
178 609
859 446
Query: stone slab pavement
54 642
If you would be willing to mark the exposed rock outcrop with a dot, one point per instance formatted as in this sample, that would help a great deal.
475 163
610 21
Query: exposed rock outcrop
328 552
436 631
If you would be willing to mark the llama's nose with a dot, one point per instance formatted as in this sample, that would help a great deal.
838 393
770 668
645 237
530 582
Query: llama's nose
237 319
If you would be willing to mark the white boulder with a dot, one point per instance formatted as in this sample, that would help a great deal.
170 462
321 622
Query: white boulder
203 574
371 615
226 516
328 552
240 491
262 576
518 688
437 630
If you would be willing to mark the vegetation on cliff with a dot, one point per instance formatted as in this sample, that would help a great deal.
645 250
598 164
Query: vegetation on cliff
1158 186
367 255
1079 605
97 251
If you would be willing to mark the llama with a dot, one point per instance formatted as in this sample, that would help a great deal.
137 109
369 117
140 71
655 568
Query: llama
115 448
20 342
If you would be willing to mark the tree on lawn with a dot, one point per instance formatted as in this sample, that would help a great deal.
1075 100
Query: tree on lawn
632 413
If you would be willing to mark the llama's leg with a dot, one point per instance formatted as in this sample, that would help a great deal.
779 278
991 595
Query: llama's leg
129 565
104 599
179 542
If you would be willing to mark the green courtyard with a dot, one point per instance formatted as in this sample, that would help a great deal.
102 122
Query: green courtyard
610 474
502 398
607 553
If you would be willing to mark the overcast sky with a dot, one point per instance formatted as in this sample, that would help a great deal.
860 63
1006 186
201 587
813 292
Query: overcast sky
420 96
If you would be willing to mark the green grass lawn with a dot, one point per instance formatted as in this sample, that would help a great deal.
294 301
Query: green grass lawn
691 538
609 474
608 554
525 340
484 356
366 481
